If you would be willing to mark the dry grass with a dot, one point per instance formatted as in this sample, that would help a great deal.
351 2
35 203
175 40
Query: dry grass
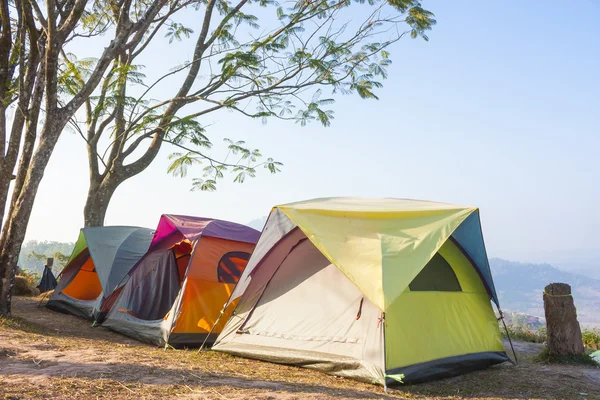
591 337
525 334
44 354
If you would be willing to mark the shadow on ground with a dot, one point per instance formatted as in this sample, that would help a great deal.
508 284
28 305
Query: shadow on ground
49 352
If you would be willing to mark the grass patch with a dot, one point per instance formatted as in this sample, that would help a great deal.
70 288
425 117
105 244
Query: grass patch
591 338
546 358
525 334
16 323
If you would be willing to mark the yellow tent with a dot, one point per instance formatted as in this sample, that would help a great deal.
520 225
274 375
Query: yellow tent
368 288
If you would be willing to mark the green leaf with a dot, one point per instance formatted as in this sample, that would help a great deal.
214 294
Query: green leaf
208 185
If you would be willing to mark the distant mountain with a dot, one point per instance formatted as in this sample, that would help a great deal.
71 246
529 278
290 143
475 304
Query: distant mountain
520 287
258 223
583 261
524 320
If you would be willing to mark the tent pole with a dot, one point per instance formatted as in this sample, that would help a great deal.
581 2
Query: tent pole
385 386
212 328
508 336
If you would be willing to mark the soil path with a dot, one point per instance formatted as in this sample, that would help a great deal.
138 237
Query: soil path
44 354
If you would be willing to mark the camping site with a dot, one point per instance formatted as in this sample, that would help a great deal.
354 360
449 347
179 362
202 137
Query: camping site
383 199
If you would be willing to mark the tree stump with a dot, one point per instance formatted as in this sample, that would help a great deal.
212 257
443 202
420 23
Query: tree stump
564 333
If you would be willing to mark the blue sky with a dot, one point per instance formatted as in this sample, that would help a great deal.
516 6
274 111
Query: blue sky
500 109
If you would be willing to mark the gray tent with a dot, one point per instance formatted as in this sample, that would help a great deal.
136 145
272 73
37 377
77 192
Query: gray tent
98 266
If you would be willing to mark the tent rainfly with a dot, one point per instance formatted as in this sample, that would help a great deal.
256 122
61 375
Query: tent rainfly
98 265
379 290
176 292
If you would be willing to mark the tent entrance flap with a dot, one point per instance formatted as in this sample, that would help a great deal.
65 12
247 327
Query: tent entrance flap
85 285
158 274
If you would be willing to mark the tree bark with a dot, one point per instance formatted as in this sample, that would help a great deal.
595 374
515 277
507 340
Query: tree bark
97 201
564 333
15 227
4 186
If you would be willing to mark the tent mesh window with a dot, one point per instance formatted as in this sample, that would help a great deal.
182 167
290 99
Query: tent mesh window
437 276
231 266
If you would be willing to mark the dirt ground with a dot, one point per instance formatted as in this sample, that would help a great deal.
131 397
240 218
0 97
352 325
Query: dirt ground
44 354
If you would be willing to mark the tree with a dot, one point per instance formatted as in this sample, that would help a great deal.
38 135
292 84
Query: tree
279 72
32 41
272 67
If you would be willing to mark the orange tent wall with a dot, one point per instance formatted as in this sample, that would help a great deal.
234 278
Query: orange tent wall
204 296
85 285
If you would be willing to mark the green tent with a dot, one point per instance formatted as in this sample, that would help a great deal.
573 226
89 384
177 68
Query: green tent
99 264
379 290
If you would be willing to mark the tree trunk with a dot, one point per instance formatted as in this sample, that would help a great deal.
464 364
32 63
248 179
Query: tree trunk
98 199
564 333
7 280
5 178
15 227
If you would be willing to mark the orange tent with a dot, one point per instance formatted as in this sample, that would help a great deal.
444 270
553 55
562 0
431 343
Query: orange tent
176 292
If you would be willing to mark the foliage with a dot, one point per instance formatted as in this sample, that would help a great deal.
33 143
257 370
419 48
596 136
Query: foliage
591 338
289 64
34 253
41 90
525 334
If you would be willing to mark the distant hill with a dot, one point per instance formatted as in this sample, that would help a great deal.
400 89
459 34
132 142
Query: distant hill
520 287
524 320
584 261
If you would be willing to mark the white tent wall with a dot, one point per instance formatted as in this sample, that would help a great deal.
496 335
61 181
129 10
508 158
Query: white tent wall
300 309
278 225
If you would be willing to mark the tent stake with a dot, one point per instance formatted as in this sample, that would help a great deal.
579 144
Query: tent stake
516 362
43 298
